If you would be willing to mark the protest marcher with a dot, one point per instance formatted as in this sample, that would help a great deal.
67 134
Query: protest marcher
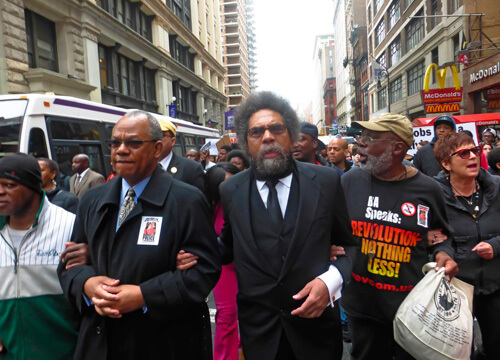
84 177
55 194
393 209
473 206
36 320
133 302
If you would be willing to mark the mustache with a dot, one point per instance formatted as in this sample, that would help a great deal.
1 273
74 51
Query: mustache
267 148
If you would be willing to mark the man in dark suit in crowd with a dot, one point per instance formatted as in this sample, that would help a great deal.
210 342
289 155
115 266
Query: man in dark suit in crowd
133 302
84 178
182 169
281 217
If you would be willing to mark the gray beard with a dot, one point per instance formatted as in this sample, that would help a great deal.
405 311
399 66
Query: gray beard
270 168
378 165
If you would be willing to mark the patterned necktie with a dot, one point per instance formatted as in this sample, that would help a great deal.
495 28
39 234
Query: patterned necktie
77 182
127 205
273 204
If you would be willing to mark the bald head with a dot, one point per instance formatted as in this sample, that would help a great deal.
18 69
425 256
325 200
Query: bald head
337 152
80 163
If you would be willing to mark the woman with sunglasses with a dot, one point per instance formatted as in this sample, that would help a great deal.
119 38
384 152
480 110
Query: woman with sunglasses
473 207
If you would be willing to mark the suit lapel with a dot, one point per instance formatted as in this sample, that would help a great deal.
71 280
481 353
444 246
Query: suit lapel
173 167
241 209
82 182
309 191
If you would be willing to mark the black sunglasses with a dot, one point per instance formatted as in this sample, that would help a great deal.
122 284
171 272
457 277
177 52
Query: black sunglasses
258 131
465 153
131 144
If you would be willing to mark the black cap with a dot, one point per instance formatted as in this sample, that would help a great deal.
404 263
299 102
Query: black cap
23 169
309 129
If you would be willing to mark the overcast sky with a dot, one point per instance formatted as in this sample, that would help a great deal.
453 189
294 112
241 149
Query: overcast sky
285 32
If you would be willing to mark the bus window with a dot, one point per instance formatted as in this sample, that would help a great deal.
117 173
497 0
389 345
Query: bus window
72 130
36 144
190 142
63 154
11 116
177 149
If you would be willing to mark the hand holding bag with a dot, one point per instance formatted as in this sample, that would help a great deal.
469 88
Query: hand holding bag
435 319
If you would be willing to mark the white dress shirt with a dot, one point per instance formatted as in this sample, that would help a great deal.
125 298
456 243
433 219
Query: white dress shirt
165 162
332 278
79 177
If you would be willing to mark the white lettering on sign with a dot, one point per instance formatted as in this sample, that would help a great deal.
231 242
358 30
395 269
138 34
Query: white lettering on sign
484 73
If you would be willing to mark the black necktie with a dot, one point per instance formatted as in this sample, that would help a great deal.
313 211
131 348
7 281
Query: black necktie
273 204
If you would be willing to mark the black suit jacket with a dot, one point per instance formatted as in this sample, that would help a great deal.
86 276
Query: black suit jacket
264 299
172 326
188 171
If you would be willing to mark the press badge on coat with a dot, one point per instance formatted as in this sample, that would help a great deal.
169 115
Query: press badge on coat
149 234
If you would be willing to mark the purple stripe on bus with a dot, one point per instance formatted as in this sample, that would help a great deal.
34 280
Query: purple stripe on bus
87 107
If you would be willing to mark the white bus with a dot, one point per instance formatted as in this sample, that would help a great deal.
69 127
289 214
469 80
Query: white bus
58 127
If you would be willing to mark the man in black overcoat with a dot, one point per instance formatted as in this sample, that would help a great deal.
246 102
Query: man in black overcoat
133 302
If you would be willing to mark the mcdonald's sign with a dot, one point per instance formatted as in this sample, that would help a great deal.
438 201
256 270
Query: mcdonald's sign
445 99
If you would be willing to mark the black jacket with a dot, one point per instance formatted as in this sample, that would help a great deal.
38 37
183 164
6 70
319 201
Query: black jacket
188 171
265 299
64 199
173 325
426 162
483 274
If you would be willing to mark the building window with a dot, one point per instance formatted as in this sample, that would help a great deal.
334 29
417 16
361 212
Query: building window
414 32
382 99
395 51
454 5
396 93
377 5
186 101
382 61
408 3
434 11
435 60
130 14
456 48
380 33
369 14
415 78
372 102
125 76
394 14
41 40
181 53
181 9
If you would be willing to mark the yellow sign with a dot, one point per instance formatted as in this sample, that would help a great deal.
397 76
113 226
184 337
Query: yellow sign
441 76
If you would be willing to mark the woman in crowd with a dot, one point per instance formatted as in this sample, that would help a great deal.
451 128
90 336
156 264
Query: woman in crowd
226 341
239 158
55 194
473 207
486 149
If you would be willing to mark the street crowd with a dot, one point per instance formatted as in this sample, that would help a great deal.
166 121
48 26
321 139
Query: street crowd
303 244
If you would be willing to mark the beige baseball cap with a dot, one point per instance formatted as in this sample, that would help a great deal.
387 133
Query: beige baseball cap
167 125
395 123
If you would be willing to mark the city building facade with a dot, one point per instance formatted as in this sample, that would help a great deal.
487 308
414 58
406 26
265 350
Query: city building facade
323 58
134 54
238 44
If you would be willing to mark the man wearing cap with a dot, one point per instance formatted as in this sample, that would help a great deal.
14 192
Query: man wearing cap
36 321
182 169
394 210
424 159
489 136
133 303
304 149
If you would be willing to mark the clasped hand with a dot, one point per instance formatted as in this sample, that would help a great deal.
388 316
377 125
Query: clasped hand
110 298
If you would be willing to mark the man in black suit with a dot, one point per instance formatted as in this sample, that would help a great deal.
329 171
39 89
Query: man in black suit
133 302
281 218
182 169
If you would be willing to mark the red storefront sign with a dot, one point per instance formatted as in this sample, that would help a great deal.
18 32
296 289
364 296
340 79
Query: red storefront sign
442 96
442 108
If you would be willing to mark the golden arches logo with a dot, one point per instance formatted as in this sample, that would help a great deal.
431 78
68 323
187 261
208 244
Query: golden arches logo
441 76
442 108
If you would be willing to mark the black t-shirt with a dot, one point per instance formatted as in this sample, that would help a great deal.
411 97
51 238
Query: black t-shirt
390 219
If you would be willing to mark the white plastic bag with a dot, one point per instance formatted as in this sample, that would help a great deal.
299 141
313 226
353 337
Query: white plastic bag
435 320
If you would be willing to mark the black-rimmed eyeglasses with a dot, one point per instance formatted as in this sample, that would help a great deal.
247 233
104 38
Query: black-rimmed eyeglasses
131 144
257 132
